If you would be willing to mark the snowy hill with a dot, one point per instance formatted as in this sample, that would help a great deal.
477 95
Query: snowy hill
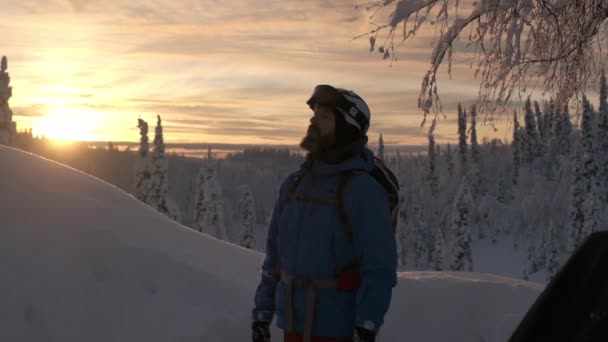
84 261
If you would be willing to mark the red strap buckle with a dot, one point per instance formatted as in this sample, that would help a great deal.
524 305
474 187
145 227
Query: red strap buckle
349 280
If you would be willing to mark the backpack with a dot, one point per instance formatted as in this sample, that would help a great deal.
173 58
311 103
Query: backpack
380 172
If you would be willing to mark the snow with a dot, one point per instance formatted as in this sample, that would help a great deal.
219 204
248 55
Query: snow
85 261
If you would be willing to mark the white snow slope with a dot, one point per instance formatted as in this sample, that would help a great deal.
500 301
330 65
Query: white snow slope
81 260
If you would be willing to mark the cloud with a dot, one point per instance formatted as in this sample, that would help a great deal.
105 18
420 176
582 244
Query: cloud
35 110
221 68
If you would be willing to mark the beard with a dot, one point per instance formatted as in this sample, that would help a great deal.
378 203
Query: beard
314 142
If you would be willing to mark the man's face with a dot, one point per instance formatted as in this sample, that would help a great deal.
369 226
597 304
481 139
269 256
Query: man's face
321 131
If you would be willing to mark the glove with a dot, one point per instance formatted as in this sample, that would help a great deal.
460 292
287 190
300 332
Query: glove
364 335
260 331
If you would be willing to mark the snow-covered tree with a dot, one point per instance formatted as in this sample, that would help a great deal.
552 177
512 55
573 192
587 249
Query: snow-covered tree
530 142
576 216
587 144
419 227
449 161
562 141
246 214
516 148
475 169
398 164
142 171
532 265
474 144
200 198
541 126
460 249
433 178
592 212
381 147
462 139
501 193
437 256
159 185
579 203
602 138
587 128
402 232
516 43
552 260
214 207
549 118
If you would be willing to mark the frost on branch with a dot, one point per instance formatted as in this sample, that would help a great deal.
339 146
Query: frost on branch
555 45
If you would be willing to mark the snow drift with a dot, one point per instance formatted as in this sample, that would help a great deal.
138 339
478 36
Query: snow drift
81 260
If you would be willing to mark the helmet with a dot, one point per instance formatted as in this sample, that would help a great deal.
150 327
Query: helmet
345 102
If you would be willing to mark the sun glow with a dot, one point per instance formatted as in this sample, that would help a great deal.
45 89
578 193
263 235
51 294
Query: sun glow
67 124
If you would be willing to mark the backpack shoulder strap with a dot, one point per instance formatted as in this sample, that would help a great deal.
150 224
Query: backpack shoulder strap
296 177
345 178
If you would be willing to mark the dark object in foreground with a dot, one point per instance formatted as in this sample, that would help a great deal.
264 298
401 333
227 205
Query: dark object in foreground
260 331
574 305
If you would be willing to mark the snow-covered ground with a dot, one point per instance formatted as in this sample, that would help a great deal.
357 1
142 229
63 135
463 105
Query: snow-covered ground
81 260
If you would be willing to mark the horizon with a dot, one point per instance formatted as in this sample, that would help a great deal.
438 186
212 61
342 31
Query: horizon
220 150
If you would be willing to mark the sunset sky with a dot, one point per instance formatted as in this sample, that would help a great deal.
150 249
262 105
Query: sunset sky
216 71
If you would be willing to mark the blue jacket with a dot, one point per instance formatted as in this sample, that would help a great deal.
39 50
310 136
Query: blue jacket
309 240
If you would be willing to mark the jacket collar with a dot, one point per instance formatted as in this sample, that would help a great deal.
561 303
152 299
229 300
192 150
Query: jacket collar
354 156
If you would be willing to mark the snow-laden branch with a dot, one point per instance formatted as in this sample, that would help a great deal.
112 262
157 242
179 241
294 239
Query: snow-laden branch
555 45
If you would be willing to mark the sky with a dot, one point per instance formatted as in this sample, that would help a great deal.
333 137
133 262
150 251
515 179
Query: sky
234 71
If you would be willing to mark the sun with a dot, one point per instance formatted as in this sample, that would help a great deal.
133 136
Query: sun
64 123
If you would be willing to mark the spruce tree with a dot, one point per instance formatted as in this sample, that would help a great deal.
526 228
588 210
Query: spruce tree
530 142
602 139
474 144
552 260
142 173
475 169
247 216
540 124
433 178
587 125
461 258
516 148
402 232
462 139
549 121
420 242
381 147
562 142
214 206
450 161
591 208
531 266
501 192
590 164
398 164
577 197
200 200
437 257
160 173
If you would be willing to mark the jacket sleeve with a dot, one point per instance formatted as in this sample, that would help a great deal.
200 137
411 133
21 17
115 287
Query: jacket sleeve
375 247
264 306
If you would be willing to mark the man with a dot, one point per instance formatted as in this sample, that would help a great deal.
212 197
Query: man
331 259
